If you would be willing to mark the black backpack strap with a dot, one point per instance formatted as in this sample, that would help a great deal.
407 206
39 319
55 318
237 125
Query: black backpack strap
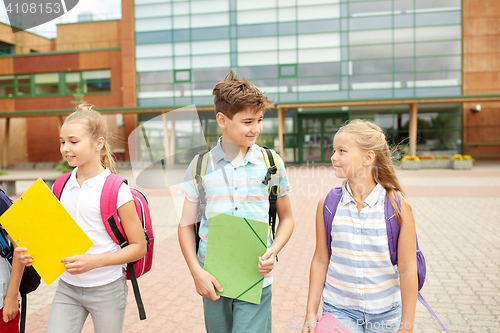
137 293
24 309
273 190
199 172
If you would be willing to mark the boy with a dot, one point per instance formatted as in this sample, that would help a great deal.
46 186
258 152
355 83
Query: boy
233 185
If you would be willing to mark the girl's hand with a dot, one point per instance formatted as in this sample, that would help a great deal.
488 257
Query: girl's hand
80 264
10 308
310 322
25 259
205 283
266 262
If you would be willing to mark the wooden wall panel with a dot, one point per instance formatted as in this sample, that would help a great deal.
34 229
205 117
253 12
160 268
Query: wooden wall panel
43 139
44 103
7 104
17 151
26 41
481 72
88 35
46 63
6 65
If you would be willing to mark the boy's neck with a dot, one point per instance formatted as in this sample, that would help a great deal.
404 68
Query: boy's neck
234 152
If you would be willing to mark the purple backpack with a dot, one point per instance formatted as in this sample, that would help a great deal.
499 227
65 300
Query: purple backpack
330 207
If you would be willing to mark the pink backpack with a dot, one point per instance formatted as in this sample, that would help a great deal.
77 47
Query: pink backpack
109 213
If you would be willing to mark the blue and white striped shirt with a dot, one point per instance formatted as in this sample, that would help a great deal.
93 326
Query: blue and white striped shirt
235 190
360 273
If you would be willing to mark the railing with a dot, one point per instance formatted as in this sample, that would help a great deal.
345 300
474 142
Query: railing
476 144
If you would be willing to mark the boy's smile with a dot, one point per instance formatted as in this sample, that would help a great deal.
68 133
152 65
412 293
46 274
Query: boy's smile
243 129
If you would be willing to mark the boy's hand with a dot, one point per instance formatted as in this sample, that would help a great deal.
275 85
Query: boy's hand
25 259
79 264
205 283
266 262
10 308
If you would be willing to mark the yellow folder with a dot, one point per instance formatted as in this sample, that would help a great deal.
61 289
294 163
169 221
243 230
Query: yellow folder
38 221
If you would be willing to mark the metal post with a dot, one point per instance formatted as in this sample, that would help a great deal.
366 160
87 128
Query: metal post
413 129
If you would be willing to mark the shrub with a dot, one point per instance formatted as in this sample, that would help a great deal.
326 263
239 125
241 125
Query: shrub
410 158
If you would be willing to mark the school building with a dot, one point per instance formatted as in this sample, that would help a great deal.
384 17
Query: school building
426 71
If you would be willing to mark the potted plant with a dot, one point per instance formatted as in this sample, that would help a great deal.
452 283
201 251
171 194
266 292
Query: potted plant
462 162
410 163
426 161
442 161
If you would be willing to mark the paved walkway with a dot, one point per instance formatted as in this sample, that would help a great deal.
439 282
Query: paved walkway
457 215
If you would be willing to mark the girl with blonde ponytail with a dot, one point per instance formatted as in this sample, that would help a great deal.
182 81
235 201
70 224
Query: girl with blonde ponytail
94 281
358 283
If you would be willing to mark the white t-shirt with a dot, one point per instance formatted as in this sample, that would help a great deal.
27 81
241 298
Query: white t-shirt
83 204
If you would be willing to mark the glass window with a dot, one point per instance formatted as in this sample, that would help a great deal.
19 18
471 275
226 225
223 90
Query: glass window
23 85
209 61
372 51
287 42
442 18
182 62
47 83
153 24
287 14
315 2
438 33
319 55
404 80
370 8
287 28
153 50
182 48
96 81
155 77
72 81
372 66
198 7
320 69
181 8
439 48
256 16
404 65
370 37
318 12
209 74
403 35
182 76
148 88
254 4
181 22
152 64
152 10
288 70
259 72
317 84
209 20
371 82
257 30
403 50
370 23
442 79
153 37
319 40
305 27
257 44
7 86
439 63
257 58
435 4
287 57
209 33
209 47
403 6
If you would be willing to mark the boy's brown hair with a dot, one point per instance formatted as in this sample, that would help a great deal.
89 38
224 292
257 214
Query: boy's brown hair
233 95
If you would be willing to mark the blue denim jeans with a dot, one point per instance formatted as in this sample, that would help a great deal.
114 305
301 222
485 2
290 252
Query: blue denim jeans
360 322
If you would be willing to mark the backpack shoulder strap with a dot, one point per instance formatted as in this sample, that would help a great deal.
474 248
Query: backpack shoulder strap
59 184
199 166
272 176
329 209
392 227
109 214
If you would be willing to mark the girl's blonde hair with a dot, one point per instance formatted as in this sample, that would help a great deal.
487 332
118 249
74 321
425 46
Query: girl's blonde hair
369 136
96 127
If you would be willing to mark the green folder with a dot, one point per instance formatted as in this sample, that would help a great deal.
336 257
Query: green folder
233 250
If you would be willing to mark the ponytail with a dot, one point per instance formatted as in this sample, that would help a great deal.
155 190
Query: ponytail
97 128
